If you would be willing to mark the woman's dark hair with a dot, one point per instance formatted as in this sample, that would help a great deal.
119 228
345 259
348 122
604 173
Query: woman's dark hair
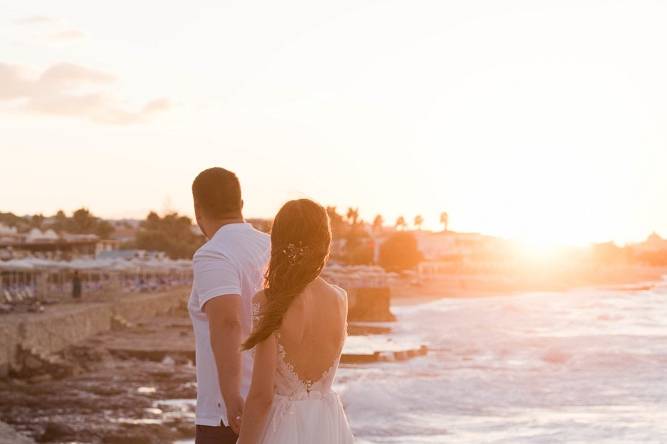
300 241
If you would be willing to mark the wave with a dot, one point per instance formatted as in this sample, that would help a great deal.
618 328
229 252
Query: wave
519 369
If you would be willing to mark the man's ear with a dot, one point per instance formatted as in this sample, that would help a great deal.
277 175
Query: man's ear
198 214
242 203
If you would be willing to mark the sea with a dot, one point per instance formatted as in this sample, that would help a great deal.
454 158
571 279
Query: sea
584 366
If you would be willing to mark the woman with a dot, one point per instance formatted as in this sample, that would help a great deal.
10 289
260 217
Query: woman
298 336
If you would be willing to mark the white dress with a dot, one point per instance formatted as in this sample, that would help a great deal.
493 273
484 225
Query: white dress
305 412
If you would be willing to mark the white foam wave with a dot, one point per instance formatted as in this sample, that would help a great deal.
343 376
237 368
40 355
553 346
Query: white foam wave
531 368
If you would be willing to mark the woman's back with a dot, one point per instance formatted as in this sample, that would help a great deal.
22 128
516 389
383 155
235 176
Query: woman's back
310 340
309 344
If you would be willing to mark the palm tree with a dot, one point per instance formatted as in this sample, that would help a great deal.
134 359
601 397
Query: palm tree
444 220
377 223
353 215
400 223
419 221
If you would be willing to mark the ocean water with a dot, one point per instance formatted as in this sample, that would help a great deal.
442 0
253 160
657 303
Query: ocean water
587 366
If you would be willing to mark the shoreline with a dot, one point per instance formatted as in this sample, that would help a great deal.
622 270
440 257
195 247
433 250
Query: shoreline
114 387
479 286
117 380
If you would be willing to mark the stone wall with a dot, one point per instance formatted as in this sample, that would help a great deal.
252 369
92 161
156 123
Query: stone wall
62 325
142 307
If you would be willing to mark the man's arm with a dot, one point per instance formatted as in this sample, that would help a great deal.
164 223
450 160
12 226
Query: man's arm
218 287
224 320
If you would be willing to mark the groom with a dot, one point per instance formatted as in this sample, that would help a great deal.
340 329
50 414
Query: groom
228 271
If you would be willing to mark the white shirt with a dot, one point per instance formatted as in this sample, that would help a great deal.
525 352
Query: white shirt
233 261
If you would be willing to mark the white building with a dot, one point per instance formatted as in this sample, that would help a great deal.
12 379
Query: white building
8 234
449 252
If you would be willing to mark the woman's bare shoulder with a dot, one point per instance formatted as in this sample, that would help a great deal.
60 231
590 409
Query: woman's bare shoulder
339 292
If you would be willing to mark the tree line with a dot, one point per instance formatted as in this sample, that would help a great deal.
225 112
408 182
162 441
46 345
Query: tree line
81 221
176 236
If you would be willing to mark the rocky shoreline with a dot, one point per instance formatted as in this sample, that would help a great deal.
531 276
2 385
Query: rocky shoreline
136 384
133 381
101 395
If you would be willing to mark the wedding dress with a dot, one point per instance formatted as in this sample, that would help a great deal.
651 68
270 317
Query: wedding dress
305 411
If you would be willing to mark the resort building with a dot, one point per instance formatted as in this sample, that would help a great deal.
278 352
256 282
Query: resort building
449 252
8 235
47 244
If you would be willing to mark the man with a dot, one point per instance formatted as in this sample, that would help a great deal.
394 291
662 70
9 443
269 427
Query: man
228 271
76 286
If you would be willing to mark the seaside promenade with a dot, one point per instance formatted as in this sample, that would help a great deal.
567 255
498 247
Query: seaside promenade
28 338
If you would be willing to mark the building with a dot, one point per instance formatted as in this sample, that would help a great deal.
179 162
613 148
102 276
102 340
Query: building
125 230
450 252
47 243
104 245
8 235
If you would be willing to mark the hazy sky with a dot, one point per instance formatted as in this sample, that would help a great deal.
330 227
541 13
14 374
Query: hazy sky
542 120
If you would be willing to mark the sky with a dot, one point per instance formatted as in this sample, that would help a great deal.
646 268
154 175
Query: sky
542 121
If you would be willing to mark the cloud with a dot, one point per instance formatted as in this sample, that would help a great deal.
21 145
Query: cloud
41 20
34 20
70 90
69 34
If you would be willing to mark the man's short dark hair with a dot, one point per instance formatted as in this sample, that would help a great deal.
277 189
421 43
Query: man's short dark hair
217 192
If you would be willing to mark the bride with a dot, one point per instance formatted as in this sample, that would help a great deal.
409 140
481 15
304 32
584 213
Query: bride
299 330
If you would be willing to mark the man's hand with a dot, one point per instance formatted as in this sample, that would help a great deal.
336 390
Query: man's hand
235 413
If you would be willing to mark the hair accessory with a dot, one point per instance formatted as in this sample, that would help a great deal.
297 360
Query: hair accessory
294 252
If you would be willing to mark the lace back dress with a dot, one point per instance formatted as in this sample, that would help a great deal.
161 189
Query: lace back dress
305 411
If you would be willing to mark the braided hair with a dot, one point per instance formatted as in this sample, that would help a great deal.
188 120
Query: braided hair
300 242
